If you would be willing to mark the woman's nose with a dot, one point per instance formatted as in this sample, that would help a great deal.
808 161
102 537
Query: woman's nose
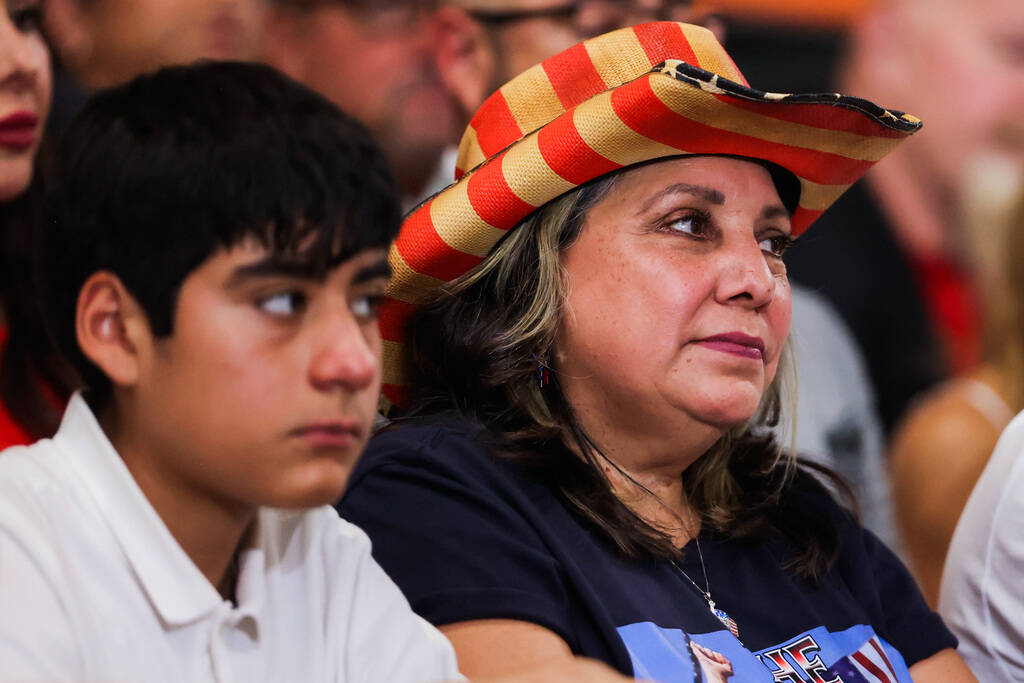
745 277
18 65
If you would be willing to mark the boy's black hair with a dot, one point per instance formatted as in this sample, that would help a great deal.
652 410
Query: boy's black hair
155 176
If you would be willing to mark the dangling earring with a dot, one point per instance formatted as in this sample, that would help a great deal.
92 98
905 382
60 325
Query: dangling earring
543 372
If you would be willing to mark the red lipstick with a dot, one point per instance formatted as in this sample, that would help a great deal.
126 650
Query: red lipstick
736 343
18 130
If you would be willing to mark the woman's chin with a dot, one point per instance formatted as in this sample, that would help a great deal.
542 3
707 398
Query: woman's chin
15 176
729 407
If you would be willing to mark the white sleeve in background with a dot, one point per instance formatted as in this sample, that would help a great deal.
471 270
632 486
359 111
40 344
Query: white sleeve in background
982 596
837 419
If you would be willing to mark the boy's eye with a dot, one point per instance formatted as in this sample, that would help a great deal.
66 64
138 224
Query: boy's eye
366 306
283 304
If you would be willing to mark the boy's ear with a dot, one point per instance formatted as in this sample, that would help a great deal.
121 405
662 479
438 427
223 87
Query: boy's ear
112 329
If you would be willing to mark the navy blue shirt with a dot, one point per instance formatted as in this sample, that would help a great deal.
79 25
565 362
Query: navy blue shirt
467 535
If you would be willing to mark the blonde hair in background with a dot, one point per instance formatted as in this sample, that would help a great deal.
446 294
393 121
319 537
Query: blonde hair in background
1004 303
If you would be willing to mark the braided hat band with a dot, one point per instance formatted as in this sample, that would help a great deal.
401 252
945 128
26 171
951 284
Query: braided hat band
633 95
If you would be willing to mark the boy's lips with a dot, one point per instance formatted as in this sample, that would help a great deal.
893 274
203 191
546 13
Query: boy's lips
331 433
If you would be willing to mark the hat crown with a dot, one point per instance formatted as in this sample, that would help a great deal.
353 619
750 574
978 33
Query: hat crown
547 90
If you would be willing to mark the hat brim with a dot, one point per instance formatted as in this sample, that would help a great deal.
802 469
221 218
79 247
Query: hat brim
827 141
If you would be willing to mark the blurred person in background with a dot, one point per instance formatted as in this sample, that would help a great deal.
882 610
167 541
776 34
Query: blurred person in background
25 92
893 255
907 254
100 43
982 594
375 60
497 39
378 60
944 444
483 43
27 412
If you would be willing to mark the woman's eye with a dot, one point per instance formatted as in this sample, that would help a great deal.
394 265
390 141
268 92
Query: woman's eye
777 245
691 224
283 304
366 306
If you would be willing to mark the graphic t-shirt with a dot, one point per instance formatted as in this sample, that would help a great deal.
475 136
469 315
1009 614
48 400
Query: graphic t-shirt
467 535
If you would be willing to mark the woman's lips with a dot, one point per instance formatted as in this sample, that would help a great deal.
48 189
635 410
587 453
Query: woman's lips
18 130
736 343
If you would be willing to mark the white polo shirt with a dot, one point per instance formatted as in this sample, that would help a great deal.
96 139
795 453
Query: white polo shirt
94 587
982 596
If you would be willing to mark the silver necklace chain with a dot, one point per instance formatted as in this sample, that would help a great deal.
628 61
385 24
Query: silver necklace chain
719 614
706 592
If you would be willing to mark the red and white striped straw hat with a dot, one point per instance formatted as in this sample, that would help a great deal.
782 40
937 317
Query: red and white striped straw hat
652 91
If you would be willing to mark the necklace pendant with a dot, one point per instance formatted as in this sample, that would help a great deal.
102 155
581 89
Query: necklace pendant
726 620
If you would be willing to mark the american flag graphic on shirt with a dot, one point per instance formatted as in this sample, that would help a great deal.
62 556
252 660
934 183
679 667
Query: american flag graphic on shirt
869 664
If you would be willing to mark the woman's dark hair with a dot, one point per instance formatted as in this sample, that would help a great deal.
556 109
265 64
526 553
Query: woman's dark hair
473 350
28 362
153 177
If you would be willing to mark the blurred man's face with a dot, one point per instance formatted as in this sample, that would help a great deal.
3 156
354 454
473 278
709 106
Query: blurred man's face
129 37
525 32
377 65
966 65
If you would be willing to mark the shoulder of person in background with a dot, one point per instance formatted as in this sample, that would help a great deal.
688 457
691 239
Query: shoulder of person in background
981 596
935 458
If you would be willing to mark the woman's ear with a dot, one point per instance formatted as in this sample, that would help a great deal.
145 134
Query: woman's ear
464 55
112 329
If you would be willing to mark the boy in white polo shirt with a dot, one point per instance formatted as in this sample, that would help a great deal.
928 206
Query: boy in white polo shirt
212 254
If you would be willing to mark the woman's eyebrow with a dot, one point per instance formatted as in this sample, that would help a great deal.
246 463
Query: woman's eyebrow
710 195
774 211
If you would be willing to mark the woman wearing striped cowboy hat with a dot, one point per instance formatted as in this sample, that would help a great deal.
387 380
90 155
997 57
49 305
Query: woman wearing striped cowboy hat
586 338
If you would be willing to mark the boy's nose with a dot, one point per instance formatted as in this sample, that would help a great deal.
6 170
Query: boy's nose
344 356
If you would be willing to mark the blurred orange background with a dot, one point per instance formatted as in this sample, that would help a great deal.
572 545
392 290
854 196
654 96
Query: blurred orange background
824 13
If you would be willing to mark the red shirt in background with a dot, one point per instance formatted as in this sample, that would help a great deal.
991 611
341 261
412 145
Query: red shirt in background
952 304
11 434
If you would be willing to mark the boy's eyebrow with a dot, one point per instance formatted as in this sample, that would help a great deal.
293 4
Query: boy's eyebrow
377 269
274 266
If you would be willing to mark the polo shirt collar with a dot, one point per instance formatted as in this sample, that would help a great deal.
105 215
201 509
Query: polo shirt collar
178 590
